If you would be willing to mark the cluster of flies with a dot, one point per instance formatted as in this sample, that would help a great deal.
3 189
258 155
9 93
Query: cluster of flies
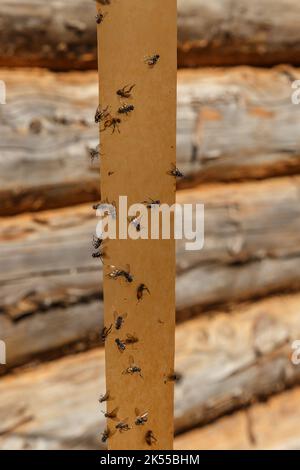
107 120
141 418
123 425
132 369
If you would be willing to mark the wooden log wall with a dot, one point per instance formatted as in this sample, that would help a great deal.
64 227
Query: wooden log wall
232 32
237 300
62 35
227 361
233 124
252 429
50 281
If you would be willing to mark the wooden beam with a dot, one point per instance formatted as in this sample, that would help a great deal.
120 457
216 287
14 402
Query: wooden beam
233 32
252 429
56 35
44 161
54 332
227 361
62 35
139 153
245 256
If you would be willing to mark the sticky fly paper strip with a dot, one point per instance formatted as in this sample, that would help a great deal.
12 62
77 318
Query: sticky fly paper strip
137 69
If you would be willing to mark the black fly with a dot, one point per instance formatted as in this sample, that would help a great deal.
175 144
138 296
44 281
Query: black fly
152 60
112 414
136 222
133 368
97 242
150 438
175 172
121 345
172 376
126 109
100 17
119 273
140 291
131 339
94 153
99 255
151 203
123 426
106 435
105 397
141 419
119 320
101 114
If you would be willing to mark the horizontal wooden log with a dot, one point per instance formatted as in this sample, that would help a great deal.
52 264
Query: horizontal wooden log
62 35
53 333
57 35
50 281
227 361
266 426
237 124
46 127
223 32
233 124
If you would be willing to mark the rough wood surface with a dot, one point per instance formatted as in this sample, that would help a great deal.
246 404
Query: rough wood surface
232 124
53 333
237 123
48 275
227 361
273 425
62 35
45 129
222 32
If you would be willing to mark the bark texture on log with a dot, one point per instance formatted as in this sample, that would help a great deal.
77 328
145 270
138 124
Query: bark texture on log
252 239
236 124
273 425
227 361
62 35
231 32
233 124
45 129
53 333
52 34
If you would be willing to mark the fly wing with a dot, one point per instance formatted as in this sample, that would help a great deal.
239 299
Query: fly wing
114 412
113 271
131 88
131 338
104 397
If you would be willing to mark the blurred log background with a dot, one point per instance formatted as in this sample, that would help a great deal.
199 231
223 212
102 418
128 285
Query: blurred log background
238 300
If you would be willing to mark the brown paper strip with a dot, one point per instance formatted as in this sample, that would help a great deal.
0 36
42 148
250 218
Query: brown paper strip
135 163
